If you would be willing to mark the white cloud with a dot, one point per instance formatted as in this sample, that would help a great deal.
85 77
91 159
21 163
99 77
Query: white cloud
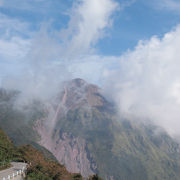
147 82
8 26
13 49
13 45
89 18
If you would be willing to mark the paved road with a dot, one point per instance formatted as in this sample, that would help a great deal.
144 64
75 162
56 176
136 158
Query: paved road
15 167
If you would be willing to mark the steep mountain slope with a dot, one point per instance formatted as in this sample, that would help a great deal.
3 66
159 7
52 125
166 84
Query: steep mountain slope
7 151
42 168
39 167
69 149
82 130
89 137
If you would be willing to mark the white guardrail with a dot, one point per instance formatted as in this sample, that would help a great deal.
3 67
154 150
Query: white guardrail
13 175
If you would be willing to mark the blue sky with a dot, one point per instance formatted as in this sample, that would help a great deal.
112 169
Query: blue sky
131 48
133 21
139 21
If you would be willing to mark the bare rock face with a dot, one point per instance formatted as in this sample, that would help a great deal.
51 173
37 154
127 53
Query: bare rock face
74 154
78 93
68 150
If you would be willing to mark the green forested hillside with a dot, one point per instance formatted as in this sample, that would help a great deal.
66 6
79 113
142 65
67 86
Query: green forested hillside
6 147
124 149
39 167
7 151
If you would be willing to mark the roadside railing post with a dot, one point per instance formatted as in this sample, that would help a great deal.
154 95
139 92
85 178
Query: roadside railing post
20 172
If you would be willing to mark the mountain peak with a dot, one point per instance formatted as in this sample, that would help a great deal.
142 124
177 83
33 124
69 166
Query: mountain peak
78 82
77 93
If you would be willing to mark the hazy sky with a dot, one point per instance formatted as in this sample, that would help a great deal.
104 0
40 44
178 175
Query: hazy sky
131 48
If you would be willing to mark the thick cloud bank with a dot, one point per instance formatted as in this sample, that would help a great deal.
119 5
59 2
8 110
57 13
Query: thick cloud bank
147 82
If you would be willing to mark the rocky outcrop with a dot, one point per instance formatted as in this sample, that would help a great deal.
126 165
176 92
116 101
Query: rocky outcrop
78 93
69 150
